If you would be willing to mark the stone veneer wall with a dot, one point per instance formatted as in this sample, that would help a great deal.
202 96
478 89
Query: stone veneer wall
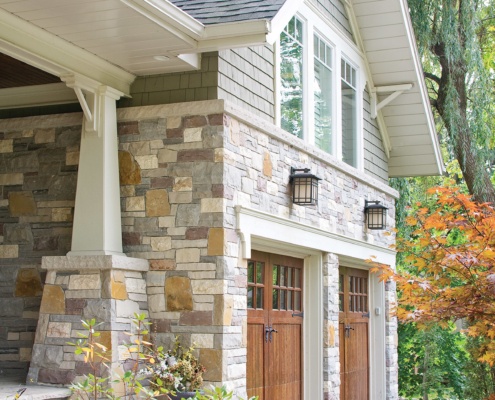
197 161
183 169
38 172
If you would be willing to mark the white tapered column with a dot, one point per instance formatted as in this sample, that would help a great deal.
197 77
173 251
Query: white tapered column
97 218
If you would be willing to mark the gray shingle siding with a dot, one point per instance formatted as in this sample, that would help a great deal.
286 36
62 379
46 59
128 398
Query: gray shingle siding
335 11
246 78
177 87
221 11
375 159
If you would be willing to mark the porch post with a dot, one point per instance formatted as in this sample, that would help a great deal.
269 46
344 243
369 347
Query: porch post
97 219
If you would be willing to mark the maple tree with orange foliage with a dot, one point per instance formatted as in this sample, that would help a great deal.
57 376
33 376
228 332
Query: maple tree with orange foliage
449 269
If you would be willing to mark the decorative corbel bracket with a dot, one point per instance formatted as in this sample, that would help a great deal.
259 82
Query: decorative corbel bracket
91 96
394 90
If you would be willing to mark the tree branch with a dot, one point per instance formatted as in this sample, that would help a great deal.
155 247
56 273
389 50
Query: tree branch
433 77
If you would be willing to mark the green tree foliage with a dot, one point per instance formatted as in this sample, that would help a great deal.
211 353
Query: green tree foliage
432 362
453 38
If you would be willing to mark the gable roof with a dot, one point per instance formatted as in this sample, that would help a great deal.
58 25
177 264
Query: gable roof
221 11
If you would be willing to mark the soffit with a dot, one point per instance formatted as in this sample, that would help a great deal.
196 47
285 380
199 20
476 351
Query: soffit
388 42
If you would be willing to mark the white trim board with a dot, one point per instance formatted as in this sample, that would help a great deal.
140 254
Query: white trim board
253 224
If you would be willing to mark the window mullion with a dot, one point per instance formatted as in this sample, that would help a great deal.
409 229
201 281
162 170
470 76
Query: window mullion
308 99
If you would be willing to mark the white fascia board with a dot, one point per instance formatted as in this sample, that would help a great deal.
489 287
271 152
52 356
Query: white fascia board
41 49
422 86
37 95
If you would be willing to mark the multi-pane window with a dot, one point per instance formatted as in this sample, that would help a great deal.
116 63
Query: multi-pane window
314 106
323 95
349 113
291 66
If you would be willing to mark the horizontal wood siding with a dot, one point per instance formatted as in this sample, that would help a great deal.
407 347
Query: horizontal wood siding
335 11
246 78
375 158
176 87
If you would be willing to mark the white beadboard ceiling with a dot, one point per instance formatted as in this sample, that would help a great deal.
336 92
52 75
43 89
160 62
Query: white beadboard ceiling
129 34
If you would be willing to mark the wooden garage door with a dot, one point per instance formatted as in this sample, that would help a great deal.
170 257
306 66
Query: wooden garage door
353 331
274 327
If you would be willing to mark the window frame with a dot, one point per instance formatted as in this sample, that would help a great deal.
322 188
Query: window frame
342 48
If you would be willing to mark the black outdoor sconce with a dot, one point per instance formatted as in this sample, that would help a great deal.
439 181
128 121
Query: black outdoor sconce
304 187
375 214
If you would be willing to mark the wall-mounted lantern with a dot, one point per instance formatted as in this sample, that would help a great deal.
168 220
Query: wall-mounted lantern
375 214
304 187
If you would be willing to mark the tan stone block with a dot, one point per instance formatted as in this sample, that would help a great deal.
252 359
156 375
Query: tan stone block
178 293
139 148
61 214
25 354
167 156
157 204
28 283
183 184
11 179
216 242
59 329
192 134
161 243
129 169
9 251
127 191
22 204
162 265
212 205
212 360
53 300
222 310
208 286
188 255
135 203
85 282
44 136
267 165
13 336
72 158
28 133
118 290
6 146
147 162
43 320
166 222
174 122
202 341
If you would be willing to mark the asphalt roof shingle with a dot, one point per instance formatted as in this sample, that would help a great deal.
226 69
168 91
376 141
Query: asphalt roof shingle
220 11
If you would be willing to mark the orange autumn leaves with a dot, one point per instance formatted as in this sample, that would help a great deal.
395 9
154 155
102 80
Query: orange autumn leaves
448 271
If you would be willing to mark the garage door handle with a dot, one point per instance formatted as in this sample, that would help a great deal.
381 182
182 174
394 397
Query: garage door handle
268 333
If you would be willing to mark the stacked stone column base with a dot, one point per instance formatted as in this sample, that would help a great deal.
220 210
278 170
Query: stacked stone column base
110 289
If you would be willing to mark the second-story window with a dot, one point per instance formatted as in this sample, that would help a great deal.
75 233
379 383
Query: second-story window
323 95
291 73
319 97
349 113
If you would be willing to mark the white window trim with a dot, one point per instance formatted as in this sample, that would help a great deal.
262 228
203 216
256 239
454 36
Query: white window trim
341 47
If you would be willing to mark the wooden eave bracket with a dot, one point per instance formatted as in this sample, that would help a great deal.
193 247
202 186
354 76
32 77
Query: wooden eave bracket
394 90
91 96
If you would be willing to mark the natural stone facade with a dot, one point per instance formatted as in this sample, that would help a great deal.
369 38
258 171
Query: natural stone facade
38 172
183 169
110 289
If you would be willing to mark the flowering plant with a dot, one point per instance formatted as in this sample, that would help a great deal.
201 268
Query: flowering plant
176 369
